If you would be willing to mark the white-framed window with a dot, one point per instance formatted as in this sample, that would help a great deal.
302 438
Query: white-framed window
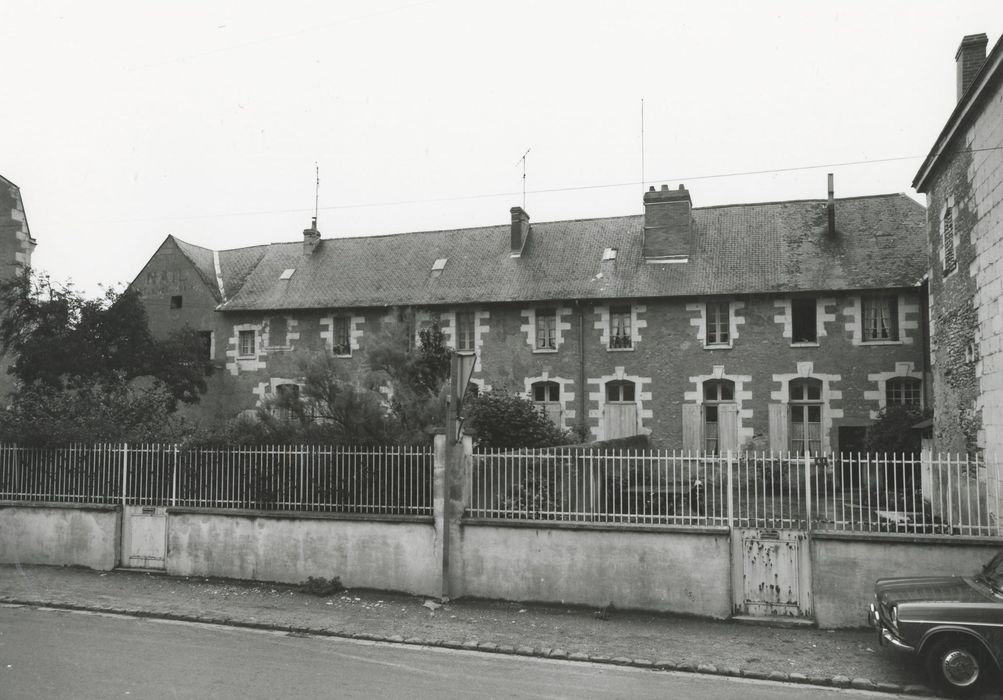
619 327
718 323
246 344
341 336
947 240
804 314
880 320
903 391
546 329
805 416
465 331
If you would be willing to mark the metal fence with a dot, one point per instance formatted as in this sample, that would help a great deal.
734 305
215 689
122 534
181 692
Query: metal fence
923 494
333 479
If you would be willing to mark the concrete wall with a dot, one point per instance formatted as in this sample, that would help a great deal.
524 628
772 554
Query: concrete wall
388 555
683 572
70 535
845 567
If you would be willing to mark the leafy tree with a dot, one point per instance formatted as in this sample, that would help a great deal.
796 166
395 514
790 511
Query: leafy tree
505 420
394 398
893 431
108 409
63 341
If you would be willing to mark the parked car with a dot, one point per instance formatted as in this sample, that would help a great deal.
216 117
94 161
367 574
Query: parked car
954 624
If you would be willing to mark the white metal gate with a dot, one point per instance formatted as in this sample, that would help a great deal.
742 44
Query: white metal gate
144 537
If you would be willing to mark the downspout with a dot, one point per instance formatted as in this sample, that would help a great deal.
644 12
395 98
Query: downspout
581 366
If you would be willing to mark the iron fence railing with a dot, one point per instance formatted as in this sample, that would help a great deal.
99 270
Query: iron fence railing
921 494
364 480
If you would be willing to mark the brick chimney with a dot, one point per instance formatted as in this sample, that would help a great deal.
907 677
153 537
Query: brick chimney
831 208
668 224
311 237
970 57
520 230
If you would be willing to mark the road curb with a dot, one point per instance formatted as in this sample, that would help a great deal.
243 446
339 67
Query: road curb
492 648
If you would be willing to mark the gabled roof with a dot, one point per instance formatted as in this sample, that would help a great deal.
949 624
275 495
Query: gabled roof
235 265
738 249
989 78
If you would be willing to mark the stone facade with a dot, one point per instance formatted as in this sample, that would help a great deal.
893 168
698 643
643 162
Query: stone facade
963 181
16 247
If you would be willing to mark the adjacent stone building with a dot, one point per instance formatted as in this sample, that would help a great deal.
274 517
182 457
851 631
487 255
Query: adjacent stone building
16 247
778 325
963 180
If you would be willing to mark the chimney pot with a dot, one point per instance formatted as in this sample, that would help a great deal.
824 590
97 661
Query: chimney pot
651 189
969 59
311 237
664 188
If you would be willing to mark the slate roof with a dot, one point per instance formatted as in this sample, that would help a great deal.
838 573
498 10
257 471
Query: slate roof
738 249
235 265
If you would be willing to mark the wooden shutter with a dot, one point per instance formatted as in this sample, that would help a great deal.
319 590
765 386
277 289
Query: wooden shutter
727 427
778 428
692 424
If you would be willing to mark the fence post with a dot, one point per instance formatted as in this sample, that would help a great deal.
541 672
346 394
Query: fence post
125 474
174 478
731 492
807 488
441 539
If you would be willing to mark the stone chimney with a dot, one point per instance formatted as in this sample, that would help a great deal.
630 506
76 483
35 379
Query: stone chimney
831 208
311 237
970 57
520 230
668 224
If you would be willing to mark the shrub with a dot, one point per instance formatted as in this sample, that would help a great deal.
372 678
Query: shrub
501 419
322 587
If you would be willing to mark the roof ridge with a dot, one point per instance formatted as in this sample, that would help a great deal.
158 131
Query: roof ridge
804 201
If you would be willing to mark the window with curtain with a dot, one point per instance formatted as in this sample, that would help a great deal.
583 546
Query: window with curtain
464 331
341 336
881 314
546 329
806 416
718 322
619 327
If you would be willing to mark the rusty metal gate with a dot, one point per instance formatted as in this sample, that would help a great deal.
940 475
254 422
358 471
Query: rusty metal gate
773 573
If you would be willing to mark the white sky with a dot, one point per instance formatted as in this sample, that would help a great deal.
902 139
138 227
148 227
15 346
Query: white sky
123 122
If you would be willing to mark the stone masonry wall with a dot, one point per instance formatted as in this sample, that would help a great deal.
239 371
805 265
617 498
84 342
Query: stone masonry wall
667 363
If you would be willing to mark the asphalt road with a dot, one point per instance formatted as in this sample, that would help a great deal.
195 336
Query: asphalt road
60 654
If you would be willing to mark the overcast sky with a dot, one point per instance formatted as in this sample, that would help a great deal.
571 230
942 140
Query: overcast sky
123 122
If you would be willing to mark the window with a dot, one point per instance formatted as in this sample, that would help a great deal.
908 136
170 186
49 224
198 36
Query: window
881 315
718 322
620 391
340 336
619 327
950 261
465 331
278 331
246 344
715 392
546 329
903 391
286 400
176 302
806 416
547 395
803 328
205 345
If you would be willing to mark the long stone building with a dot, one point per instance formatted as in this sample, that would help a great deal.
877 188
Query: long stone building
776 325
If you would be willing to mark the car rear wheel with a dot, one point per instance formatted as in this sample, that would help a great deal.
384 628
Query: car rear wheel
958 666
